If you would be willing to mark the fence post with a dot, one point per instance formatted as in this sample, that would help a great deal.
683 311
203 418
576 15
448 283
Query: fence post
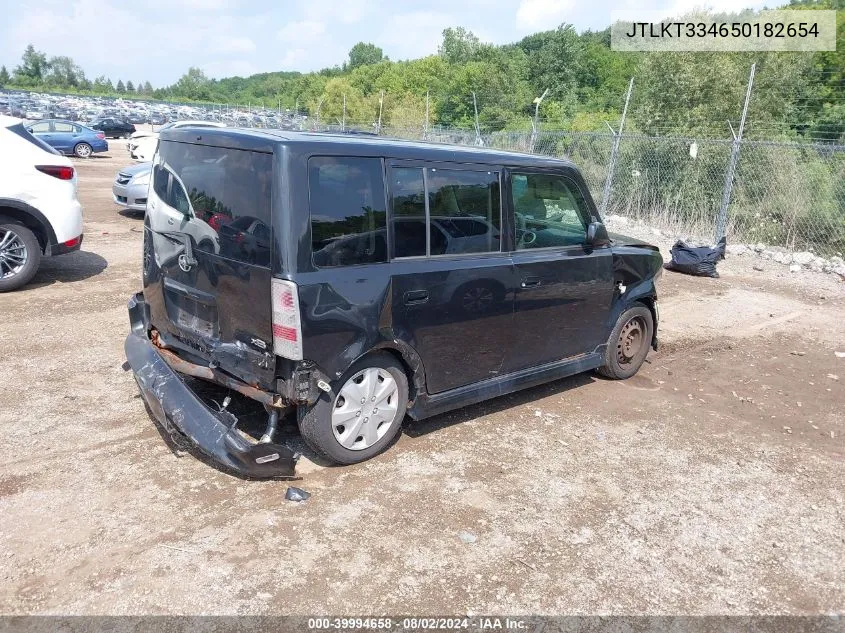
535 123
615 150
722 218
478 140
425 127
380 106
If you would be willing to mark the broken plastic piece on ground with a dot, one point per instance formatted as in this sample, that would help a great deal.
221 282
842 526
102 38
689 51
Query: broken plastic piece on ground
696 260
296 494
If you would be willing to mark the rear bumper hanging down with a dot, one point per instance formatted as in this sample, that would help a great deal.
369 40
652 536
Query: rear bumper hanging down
174 404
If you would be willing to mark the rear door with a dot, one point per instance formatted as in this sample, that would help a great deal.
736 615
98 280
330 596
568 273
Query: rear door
63 135
565 286
208 297
452 285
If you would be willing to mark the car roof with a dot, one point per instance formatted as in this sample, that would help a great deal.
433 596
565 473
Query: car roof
263 140
54 121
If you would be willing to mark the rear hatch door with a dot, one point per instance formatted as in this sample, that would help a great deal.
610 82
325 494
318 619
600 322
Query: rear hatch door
207 273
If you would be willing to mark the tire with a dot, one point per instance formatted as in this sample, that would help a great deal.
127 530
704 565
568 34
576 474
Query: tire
621 359
21 245
326 433
82 150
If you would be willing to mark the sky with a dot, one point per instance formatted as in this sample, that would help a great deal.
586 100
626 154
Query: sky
157 40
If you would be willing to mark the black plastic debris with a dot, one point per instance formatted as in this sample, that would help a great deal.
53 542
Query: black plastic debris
696 260
296 494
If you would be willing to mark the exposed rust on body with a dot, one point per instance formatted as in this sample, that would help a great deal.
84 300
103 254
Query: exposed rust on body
206 373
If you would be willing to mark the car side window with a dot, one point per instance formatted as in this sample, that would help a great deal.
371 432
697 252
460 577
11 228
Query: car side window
465 206
464 211
407 187
40 128
348 216
549 211
61 126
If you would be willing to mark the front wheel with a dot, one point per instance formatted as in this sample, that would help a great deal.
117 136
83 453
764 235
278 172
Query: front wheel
20 255
82 150
360 418
628 344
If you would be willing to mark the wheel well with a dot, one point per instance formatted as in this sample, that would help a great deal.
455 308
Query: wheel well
30 222
413 387
649 302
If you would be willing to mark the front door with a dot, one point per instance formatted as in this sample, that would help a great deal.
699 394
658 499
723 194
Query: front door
452 286
565 286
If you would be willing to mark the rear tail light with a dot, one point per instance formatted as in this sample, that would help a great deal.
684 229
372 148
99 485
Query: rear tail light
100 135
287 330
62 173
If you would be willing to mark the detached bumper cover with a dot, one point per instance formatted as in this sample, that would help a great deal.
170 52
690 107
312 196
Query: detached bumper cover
174 404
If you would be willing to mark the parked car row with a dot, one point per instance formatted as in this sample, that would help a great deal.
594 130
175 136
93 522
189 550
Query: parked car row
85 109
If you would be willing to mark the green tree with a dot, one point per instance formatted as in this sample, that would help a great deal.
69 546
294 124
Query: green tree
192 85
102 84
364 53
4 76
120 87
130 87
458 46
358 110
148 89
64 73
554 58
33 67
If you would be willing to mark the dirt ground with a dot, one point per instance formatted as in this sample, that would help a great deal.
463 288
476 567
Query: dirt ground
710 483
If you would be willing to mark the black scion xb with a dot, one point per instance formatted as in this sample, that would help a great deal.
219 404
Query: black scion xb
353 280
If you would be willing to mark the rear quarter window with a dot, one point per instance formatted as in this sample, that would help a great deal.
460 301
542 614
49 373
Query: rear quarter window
348 211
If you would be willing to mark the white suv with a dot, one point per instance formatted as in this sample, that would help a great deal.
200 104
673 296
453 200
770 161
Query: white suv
40 214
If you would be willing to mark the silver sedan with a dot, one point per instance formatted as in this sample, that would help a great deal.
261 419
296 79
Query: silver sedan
131 185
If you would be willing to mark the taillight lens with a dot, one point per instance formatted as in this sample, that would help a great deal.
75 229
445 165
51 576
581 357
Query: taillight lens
62 173
287 330
100 135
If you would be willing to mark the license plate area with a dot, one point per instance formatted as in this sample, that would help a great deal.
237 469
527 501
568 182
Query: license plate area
190 314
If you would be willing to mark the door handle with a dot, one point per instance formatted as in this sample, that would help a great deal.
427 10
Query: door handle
530 282
416 297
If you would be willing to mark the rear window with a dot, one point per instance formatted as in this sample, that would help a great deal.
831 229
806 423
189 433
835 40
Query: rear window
348 216
21 131
221 184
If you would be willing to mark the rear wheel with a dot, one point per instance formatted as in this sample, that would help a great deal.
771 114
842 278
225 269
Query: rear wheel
20 255
628 344
82 150
363 415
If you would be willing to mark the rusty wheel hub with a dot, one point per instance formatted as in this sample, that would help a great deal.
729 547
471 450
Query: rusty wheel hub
631 340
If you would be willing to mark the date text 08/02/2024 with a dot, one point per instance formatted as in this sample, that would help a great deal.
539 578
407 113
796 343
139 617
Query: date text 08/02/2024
464 623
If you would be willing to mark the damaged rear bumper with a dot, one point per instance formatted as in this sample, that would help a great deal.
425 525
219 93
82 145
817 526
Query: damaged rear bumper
174 404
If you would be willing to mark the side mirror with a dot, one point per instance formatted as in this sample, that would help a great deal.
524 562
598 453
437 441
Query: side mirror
596 233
